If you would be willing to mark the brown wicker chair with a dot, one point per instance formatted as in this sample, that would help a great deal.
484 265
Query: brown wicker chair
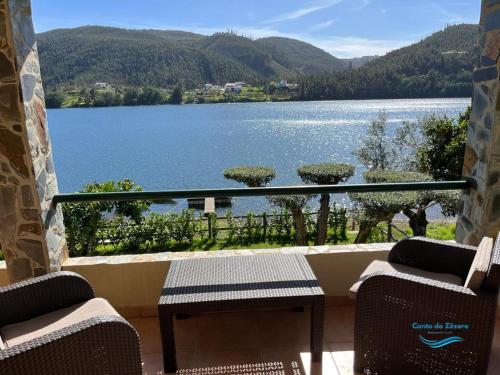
388 303
54 325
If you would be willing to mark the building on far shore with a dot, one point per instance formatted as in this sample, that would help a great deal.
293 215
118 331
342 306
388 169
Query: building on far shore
211 88
233 87
101 85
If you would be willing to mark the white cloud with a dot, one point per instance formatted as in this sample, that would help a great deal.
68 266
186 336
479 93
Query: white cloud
338 46
299 13
322 25
362 4
449 17
347 47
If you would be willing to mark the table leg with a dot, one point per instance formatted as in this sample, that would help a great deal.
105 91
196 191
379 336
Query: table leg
317 328
168 341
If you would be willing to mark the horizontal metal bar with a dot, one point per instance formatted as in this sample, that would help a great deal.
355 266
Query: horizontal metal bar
262 191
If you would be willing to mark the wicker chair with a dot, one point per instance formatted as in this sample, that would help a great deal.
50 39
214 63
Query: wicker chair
54 325
389 303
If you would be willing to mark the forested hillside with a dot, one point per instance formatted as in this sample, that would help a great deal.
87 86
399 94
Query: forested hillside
303 57
86 55
89 54
438 66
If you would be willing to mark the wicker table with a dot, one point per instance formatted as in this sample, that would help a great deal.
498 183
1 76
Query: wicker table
239 283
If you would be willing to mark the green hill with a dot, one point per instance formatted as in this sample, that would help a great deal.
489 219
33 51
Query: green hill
85 55
159 58
440 65
437 66
300 56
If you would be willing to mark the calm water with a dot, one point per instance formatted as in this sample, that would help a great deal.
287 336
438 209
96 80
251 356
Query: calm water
181 147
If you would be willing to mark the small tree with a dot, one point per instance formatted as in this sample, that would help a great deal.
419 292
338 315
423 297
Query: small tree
412 204
378 207
252 176
416 211
294 203
435 145
376 150
325 174
176 97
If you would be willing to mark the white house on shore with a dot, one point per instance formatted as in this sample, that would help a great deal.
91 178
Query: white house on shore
234 87
101 85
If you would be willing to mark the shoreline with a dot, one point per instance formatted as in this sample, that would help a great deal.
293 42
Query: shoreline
255 102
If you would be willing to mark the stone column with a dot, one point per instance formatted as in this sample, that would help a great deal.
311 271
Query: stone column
31 229
479 213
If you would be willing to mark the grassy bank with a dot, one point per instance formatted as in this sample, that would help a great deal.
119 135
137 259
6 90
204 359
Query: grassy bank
119 96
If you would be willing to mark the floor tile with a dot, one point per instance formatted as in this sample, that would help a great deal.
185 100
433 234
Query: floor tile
339 324
296 360
264 343
227 331
343 356
284 327
153 363
149 332
220 361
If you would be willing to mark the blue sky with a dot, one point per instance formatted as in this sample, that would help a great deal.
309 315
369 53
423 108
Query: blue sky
345 28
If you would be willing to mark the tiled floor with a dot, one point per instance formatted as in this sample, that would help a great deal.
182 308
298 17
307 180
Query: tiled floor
259 343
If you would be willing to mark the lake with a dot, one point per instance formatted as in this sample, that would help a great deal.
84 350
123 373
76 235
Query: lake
187 147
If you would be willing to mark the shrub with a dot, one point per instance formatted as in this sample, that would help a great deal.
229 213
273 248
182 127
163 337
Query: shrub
294 203
252 176
337 221
83 220
326 173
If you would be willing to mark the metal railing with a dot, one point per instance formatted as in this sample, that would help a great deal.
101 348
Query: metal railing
262 191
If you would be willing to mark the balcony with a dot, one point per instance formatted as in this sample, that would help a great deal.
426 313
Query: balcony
262 342
259 342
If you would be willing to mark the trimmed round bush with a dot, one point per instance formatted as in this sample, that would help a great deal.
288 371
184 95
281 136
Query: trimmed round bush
382 204
291 202
326 173
252 176
390 176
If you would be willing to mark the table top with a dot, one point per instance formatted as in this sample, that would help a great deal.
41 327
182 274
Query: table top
239 278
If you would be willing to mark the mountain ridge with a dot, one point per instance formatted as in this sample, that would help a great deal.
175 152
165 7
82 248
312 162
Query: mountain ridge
167 58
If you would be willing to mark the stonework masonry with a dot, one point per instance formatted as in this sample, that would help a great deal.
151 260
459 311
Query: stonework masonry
31 229
479 213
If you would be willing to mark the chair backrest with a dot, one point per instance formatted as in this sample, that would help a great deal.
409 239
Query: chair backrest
492 280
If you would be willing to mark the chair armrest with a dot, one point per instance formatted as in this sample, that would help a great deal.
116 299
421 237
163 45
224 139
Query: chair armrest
399 284
433 255
41 295
99 345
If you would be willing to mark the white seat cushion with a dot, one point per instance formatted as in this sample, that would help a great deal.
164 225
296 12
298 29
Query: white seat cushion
382 266
18 333
480 264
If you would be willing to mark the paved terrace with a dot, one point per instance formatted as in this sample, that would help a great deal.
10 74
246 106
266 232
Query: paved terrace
260 343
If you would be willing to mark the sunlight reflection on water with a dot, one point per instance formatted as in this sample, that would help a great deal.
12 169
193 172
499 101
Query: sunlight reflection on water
181 147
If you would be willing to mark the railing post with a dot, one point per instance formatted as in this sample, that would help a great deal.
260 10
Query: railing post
209 222
264 225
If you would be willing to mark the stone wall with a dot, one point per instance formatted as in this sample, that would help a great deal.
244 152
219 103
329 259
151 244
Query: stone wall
31 230
480 209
